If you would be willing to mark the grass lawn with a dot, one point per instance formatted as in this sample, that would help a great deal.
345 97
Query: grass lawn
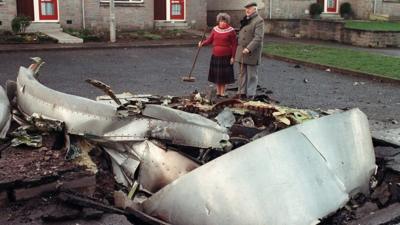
386 66
373 25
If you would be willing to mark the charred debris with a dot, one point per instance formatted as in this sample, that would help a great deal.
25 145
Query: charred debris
148 159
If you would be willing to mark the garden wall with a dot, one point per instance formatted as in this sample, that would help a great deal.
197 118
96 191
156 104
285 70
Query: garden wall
331 31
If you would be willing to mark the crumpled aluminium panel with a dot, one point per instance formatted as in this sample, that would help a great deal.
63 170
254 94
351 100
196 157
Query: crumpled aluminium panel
99 120
5 115
294 176
158 165
173 115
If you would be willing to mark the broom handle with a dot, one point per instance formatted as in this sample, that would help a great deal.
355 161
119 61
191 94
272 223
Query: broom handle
197 54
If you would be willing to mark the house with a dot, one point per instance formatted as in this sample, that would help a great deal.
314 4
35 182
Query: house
94 14
298 9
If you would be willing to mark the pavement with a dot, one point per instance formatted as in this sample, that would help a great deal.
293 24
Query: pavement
63 38
159 71
5 48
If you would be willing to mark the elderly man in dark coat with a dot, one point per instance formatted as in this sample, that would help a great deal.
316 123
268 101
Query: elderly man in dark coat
249 50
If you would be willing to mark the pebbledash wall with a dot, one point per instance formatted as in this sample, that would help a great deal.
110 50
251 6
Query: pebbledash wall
233 7
331 31
197 13
8 10
128 16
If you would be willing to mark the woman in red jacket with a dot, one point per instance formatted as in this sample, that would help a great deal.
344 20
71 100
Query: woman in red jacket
224 41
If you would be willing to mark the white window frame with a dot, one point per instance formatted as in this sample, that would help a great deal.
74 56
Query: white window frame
122 1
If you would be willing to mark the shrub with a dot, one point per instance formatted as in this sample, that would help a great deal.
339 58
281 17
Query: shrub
316 10
85 34
20 23
345 10
150 36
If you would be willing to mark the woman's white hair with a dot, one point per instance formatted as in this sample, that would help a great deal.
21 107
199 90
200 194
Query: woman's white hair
224 17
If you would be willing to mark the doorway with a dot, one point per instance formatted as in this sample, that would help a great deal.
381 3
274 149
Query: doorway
26 8
169 10
160 9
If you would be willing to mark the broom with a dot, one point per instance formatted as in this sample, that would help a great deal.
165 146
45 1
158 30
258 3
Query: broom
190 78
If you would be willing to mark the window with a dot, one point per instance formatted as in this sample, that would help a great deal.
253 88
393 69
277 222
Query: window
47 8
176 9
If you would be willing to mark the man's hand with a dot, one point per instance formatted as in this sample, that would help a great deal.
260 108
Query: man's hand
200 44
232 61
246 51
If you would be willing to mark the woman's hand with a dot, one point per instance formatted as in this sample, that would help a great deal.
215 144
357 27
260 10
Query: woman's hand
200 44
232 61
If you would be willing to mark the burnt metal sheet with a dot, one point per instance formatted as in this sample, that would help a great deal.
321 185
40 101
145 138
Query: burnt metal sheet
5 114
294 176
226 118
101 121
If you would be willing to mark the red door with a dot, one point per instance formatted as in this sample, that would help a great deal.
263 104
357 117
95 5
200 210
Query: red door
177 9
48 10
332 6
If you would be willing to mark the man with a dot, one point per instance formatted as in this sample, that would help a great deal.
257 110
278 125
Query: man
249 50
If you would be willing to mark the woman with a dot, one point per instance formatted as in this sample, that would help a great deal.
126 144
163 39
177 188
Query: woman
224 41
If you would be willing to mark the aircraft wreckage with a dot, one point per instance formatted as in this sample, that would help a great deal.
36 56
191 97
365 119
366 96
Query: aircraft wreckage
231 162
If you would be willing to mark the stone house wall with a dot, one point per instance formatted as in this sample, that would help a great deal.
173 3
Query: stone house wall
129 16
196 13
8 10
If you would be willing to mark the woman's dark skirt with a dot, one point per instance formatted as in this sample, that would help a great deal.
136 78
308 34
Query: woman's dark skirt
221 70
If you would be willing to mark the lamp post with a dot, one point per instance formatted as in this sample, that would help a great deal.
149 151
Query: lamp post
112 22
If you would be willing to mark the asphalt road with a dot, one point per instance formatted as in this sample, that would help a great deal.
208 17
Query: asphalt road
159 71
